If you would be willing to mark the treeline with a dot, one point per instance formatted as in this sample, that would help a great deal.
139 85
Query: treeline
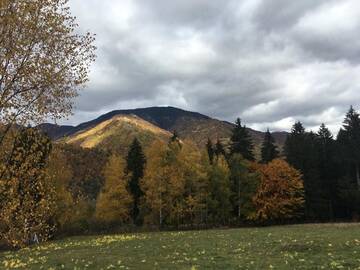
49 190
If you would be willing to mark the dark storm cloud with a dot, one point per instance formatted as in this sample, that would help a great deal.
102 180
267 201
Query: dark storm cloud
269 62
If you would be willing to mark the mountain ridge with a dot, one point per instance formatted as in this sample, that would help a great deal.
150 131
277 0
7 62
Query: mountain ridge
189 125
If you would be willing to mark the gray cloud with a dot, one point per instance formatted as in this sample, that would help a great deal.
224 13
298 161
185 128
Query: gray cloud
269 62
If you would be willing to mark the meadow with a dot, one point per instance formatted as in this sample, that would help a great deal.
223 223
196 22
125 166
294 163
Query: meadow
313 246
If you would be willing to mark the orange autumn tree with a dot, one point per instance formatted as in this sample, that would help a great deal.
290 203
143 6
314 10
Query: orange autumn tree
280 195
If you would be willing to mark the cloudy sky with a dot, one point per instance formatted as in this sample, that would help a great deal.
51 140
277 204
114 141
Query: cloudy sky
269 62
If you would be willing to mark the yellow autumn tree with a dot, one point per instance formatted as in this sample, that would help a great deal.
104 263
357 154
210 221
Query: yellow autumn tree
114 202
27 196
280 195
163 184
61 174
44 60
193 164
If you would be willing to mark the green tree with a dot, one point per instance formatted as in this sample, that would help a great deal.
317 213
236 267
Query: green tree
244 181
301 152
135 165
210 150
268 148
28 196
219 203
349 138
241 142
328 170
219 149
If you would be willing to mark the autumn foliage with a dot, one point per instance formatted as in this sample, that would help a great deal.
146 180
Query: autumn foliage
280 195
114 202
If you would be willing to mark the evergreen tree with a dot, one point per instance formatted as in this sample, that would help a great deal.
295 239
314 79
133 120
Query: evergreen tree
219 149
327 168
241 142
268 149
210 150
28 198
349 181
135 165
174 137
301 153
349 138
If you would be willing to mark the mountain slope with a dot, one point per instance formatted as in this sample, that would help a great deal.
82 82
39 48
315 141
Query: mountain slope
117 133
188 125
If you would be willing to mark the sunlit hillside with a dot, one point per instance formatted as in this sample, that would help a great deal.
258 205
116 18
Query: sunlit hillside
117 133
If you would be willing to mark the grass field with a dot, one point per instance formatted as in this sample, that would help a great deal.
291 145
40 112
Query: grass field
333 246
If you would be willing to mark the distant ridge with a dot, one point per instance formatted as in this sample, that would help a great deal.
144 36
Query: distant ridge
189 125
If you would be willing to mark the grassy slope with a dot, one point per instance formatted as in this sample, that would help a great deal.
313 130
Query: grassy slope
117 134
286 247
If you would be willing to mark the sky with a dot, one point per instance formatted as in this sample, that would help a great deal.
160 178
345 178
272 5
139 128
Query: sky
269 62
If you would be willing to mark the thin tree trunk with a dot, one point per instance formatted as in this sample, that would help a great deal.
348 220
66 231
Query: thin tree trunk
160 211
239 207
357 175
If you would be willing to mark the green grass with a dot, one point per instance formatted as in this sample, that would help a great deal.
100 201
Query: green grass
333 246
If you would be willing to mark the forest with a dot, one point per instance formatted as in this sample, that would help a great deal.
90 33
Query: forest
52 189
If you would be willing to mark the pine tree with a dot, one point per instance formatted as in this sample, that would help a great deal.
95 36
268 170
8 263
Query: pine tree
241 142
28 199
328 168
174 137
219 149
268 148
301 153
210 150
135 166
349 138
113 206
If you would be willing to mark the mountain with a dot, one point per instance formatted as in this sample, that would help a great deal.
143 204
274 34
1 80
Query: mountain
117 133
188 125
55 131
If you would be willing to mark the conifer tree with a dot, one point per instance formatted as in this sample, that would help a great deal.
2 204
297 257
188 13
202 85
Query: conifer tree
219 149
28 199
113 206
135 166
174 137
268 148
210 150
349 139
328 171
241 142
301 153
